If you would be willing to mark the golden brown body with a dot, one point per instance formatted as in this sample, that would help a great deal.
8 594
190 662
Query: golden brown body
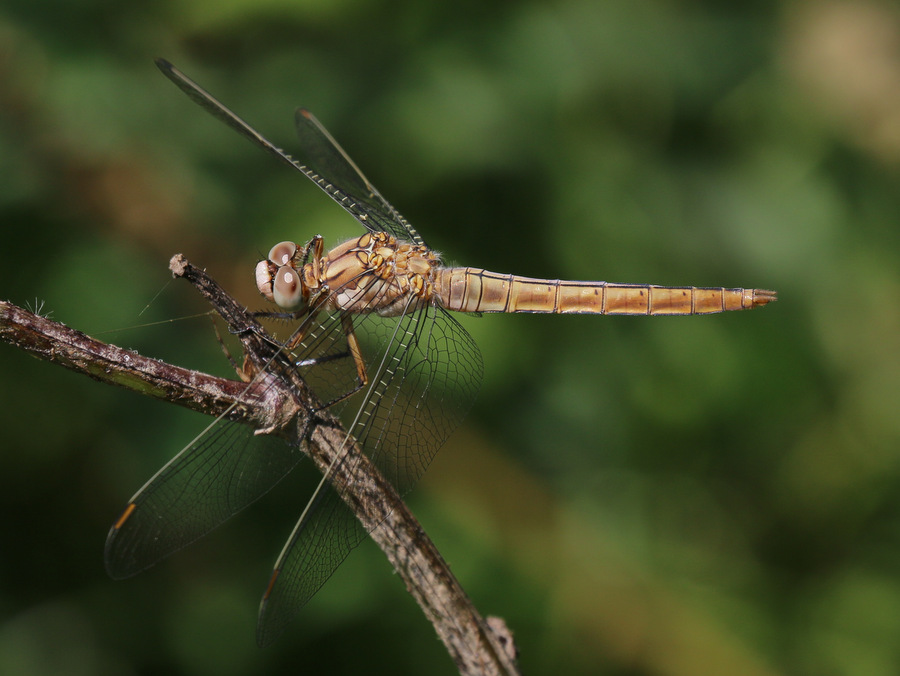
378 273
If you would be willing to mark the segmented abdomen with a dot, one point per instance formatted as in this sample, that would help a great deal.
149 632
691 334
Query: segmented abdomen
476 290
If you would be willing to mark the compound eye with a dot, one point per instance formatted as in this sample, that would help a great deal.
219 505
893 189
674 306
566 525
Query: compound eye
282 253
287 289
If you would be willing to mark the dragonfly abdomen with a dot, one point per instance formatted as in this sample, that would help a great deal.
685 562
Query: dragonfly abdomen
476 290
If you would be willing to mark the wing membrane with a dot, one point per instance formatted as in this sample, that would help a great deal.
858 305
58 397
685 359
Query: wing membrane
424 372
216 476
329 167
214 107
427 373
332 170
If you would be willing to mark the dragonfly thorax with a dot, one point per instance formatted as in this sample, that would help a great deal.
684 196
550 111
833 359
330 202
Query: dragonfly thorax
372 273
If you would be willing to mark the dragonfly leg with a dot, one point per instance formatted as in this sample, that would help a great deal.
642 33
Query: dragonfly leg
245 372
312 253
355 351
268 314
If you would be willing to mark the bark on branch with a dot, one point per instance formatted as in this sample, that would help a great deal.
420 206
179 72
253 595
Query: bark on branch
476 646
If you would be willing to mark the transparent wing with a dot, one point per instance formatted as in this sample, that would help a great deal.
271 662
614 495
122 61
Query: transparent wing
211 104
425 371
329 166
332 170
222 471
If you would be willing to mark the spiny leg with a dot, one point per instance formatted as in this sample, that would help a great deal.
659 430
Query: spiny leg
246 372
355 352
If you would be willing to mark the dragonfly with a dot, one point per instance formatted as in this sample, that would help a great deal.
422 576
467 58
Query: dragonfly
376 341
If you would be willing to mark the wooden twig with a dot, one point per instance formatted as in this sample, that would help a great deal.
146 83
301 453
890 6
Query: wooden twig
274 403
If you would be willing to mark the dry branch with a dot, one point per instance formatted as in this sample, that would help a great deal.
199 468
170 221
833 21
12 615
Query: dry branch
271 402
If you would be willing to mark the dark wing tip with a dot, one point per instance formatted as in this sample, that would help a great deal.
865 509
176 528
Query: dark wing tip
163 65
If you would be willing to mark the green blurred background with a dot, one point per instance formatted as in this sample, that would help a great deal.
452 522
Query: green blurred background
677 496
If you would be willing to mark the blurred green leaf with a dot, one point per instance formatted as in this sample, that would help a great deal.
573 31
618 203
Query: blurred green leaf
668 496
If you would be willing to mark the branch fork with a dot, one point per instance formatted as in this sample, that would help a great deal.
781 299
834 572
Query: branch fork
278 402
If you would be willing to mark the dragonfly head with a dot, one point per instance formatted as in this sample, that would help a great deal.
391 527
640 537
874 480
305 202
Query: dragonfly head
278 278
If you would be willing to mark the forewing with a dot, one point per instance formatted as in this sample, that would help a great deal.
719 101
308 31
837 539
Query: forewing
224 469
217 475
214 107
326 163
323 161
